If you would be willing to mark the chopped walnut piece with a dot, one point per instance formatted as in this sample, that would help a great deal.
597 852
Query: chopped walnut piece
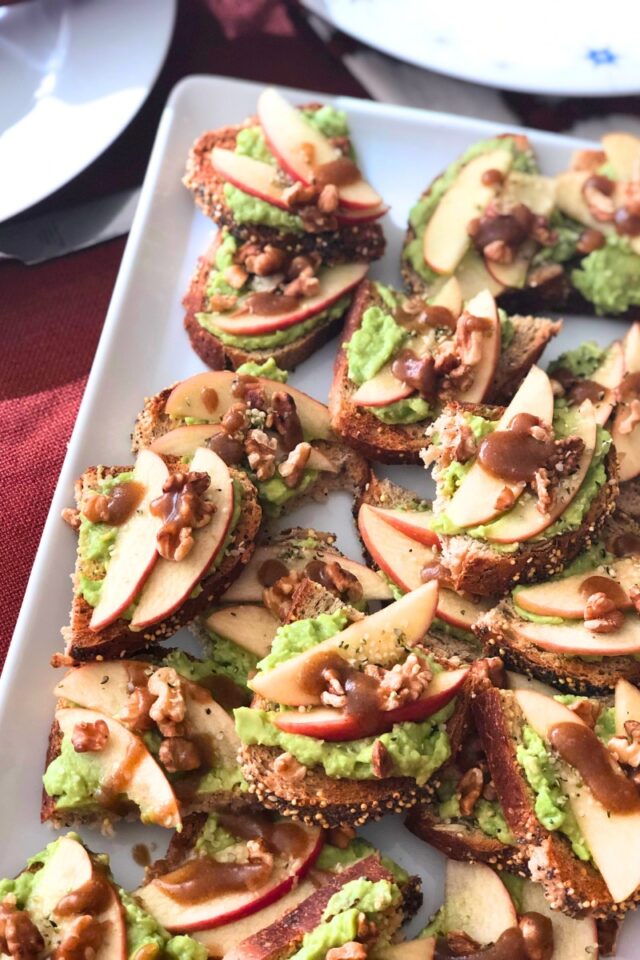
299 195
315 221
334 695
601 614
277 598
456 440
19 936
292 469
261 453
266 262
505 499
283 417
236 276
81 940
498 252
587 710
169 709
219 302
304 285
235 420
544 273
403 683
334 577
135 713
461 944
90 737
348 951
308 262
258 852
286 766
470 789
71 516
542 232
381 762
543 490
183 509
328 200
177 754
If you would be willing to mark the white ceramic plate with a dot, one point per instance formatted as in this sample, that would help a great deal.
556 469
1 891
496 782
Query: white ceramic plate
143 349
566 48
73 74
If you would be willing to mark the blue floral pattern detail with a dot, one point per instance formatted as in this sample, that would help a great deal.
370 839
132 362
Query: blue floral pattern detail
601 57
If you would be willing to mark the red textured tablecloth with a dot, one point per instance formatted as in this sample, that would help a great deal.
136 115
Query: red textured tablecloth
51 314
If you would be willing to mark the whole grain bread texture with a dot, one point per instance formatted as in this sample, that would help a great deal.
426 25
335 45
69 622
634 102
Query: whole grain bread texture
317 798
117 639
352 471
402 442
570 884
220 356
346 244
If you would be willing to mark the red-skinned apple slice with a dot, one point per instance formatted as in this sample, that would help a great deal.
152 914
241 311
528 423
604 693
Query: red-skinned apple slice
363 215
249 589
134 553
573 939
224 908
631 346
446 239
249 625
474 502
171 582
252 176
575 640
413 523
422 949
473 276
627 442
483 305
613 838
609 375
127 767
626 704
299 148
381 638
403 559
468 888
323 723
184 441
623 153
565 598
335 282
524 520
208 396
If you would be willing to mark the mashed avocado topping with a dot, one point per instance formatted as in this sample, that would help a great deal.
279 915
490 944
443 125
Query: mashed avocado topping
375 341
507 329
568 233
522 161
487 815
610 277
409 410
582 361
73 778
551 804
294 638
224 658
274 493
334 859
269 369
248 209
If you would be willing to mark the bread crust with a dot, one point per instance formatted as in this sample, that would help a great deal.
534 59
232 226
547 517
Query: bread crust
118 640
458 841
220 356
402 443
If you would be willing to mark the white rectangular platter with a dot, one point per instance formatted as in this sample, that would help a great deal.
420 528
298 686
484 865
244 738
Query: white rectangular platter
143 349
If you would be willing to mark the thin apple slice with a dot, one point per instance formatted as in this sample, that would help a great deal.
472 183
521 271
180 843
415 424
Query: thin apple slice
184 441
609 375
512 275
565 597
252 176
208 396
67 869
403 559
300 149
422 949
250 626
623 153
325 723
542 712
537 192
570 199
381 638
577 641
248 588
627 446
524 520
483 305
320 462
335 282
127 768
413 523
518 681
631 345
384 388
348 216
134 553
468 889
171 582
473 276
446 239
626 704
474 502
221 907
573 939
102 685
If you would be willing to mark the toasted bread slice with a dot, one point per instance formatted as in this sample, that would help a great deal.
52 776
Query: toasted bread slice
352 470
571 885
402 443
118 639
354 242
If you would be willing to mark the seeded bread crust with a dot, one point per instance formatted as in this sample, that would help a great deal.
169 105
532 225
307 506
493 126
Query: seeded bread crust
570 885
402 443
118 640
473 567
220 356
364 242
460 841
352 474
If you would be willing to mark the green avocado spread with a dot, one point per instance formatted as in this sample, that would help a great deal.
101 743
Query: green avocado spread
610 277
487 814
224 658
375 341
268 369
294 638
422 211
582 361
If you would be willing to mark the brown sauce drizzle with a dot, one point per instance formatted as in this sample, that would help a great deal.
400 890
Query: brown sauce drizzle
508 946
141 854
111 791
611 589
116 507
361 691
436 316
600 183
203 877
339 172
271 571
627 224
491 178
284 837
624 544
586 390
210 399
578 745
227 447
92 897
513 454
629 389
268 304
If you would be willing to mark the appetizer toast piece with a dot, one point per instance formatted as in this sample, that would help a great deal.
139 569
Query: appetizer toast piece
142 737
142 572
350 750
521 491
581 629
268 305
562 769
287 178
402 358
67 902
280 436
261 873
